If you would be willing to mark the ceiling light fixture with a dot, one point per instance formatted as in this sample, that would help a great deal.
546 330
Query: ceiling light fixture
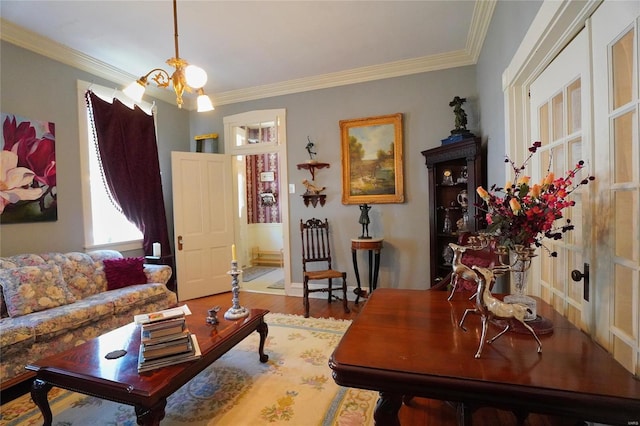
185 77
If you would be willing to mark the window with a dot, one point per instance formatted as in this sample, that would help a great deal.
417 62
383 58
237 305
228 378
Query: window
104 225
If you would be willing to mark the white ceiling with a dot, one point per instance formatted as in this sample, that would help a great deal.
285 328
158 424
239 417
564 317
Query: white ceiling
253 49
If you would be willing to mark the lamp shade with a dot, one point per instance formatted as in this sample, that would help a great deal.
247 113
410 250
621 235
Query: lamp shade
196 76
204 103
135 90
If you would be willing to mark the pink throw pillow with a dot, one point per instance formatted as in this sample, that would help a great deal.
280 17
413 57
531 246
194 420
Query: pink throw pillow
124 272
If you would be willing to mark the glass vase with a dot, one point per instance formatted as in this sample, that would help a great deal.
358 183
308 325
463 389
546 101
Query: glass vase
519 278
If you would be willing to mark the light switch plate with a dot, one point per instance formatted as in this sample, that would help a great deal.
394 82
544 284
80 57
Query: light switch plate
292 188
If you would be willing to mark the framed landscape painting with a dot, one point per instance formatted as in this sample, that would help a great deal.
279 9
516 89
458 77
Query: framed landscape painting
372 160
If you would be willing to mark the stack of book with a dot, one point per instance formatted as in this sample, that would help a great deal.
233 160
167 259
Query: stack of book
165 340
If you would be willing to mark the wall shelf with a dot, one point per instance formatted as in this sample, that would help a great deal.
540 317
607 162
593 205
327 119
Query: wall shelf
312 168
314 199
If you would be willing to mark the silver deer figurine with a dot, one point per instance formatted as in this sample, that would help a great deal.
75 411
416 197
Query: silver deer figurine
460 270
490 307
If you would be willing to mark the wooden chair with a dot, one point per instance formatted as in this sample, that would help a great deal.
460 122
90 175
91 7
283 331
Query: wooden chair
316 249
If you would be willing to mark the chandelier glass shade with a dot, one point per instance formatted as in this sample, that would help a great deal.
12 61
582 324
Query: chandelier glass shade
186 77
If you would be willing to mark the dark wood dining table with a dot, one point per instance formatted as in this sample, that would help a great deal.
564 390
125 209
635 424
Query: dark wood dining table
408 343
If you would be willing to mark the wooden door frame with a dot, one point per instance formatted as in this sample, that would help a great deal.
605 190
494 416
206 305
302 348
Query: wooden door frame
280 147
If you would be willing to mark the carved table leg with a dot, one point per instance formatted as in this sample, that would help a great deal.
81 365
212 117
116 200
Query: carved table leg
463 414
357 291
370 271
151 416
263 330
39 391
376 269
521 416
386 412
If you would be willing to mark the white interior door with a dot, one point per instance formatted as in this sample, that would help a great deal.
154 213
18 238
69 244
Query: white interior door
615 45
203 222
561 123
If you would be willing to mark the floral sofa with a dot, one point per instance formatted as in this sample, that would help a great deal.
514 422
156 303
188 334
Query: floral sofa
53 301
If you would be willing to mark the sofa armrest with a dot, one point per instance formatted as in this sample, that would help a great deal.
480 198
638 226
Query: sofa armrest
157 273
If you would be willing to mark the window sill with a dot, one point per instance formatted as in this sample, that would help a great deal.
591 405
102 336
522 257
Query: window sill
120 246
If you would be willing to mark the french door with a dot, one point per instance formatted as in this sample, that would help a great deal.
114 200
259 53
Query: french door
615 45
585 105
560 122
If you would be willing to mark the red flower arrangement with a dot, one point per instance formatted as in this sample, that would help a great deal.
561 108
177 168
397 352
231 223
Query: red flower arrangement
525 214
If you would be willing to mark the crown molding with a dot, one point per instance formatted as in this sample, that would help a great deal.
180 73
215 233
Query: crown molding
46 47
343 78
481 19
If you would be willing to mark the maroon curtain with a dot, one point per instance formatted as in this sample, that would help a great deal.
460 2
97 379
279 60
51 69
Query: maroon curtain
129 156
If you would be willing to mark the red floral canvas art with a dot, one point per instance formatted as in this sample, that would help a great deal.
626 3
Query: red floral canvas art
28 190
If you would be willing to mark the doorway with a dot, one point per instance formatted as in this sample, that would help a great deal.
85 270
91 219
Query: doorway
256 141
260 222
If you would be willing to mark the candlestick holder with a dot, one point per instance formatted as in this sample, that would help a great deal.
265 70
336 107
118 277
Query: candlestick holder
235 311
517 261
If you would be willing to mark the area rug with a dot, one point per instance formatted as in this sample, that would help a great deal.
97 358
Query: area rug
294 387
252 272
277 285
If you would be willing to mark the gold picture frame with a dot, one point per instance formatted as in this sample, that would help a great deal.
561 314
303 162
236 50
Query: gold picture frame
372 160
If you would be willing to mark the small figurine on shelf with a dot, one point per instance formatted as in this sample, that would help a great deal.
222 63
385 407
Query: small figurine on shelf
446 228
461 116
464 174
311 188
364 221
447 179
311 152
460 131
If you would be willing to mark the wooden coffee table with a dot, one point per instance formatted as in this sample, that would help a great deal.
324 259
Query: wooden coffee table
85 369
408 343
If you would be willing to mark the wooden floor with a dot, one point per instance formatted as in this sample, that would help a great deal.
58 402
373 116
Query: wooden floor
421 411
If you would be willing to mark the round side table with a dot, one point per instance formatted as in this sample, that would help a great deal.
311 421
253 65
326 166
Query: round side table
373 245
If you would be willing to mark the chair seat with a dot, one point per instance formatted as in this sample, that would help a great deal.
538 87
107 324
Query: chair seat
323 275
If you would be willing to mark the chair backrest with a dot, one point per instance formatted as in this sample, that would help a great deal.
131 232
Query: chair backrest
315 242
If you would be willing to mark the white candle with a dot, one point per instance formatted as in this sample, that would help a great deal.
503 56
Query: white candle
233 252
157 251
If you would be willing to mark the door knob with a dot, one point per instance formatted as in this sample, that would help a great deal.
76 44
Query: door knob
179 242
577 276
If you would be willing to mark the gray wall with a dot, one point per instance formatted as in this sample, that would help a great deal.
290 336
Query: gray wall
42 89
424 101
510 22
34 86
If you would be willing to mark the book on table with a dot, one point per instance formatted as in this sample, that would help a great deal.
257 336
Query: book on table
165 314
173 346
164 328
167 360
165 340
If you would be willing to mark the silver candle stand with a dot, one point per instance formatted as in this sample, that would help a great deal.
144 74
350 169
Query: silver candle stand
235 311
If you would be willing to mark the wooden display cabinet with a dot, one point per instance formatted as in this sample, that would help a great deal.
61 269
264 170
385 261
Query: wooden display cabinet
452 169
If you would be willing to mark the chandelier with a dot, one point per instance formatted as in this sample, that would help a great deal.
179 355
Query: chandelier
185 78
